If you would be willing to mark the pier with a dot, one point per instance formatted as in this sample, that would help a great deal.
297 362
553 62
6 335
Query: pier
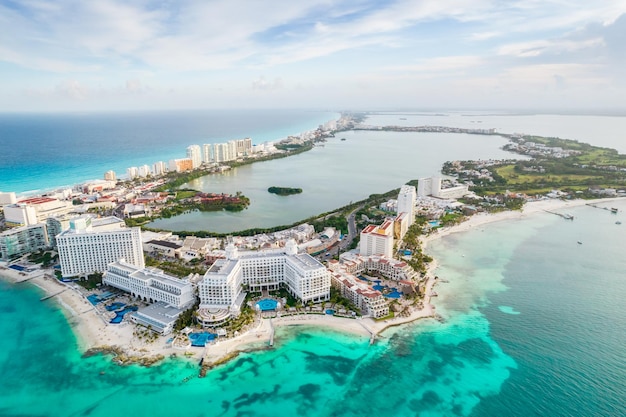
271 333
372 334
52 295
611 209
566 216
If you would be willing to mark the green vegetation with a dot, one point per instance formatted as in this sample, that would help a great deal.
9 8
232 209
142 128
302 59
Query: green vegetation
187 317
589 166
337 300
284 190
419 259
42 257
177 268
91 282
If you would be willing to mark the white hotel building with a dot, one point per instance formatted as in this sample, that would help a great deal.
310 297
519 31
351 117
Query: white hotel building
149 284
82 250
222 287
377 240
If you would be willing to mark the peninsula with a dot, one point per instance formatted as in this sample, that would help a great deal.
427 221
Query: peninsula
360 268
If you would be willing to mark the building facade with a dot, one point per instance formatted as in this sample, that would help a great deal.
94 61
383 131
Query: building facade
377 240
82 250
149 284
194 152
22 240
301 274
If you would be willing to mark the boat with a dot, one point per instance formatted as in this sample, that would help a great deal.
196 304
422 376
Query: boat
618 222
580 243
343 138
614 210
433 294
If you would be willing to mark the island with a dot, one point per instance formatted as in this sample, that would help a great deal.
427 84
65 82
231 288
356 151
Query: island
284 190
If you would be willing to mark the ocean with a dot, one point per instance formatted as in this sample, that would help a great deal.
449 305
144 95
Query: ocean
534 326
46 151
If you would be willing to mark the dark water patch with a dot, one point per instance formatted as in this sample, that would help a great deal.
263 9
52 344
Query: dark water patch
338 367
225 406
476 350
309 392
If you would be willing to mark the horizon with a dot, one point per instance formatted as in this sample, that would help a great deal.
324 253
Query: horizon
109 55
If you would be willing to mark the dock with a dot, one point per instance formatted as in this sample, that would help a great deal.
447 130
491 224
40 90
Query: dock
372 334
271 333
52 295
566 216
613 210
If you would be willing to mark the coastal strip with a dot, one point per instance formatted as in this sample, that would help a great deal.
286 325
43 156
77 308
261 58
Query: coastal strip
95 334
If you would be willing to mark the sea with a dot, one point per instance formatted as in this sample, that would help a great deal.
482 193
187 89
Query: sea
534 326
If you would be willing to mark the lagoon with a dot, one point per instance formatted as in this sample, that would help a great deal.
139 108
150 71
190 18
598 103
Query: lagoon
332 176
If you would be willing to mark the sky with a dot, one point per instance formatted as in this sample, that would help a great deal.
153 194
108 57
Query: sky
76 55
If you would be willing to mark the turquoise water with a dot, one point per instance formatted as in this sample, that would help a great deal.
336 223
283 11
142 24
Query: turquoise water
562 355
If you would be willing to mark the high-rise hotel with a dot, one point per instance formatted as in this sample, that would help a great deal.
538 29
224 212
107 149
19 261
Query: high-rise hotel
222 287
83 250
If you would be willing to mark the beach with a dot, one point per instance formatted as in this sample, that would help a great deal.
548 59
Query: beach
93 331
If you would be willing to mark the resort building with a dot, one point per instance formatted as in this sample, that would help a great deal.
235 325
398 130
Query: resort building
35 210
394 269
207 153
159 317
370 301
180 165
222 287
132 173
149 284
22 240
7 198
144 171
165 248
110 176
159 168
377 240
83 250
194 152
406 202
433 187
20 215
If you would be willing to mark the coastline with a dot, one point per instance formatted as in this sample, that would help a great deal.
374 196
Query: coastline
94 333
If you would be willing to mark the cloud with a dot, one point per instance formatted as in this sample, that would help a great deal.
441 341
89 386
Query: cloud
73 90
263 84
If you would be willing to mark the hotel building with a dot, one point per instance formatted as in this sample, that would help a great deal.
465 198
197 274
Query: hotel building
159 168
222 287
149 284
22 240
194 152
370 301
377 240
180 165
406 202
83 250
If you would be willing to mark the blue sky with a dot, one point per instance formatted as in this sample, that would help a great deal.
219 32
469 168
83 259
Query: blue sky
139 54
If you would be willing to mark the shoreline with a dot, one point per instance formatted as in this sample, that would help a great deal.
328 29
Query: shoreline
93 333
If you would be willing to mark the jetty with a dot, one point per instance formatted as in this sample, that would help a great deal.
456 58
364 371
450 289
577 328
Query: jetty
52 295
566 216
613 210
271 333
372 334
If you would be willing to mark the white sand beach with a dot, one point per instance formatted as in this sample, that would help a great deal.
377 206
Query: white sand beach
92 330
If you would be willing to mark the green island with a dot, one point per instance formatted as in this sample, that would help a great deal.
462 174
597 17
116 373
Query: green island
284 190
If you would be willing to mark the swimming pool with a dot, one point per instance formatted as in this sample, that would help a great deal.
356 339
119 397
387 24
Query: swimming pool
200 339
267 304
